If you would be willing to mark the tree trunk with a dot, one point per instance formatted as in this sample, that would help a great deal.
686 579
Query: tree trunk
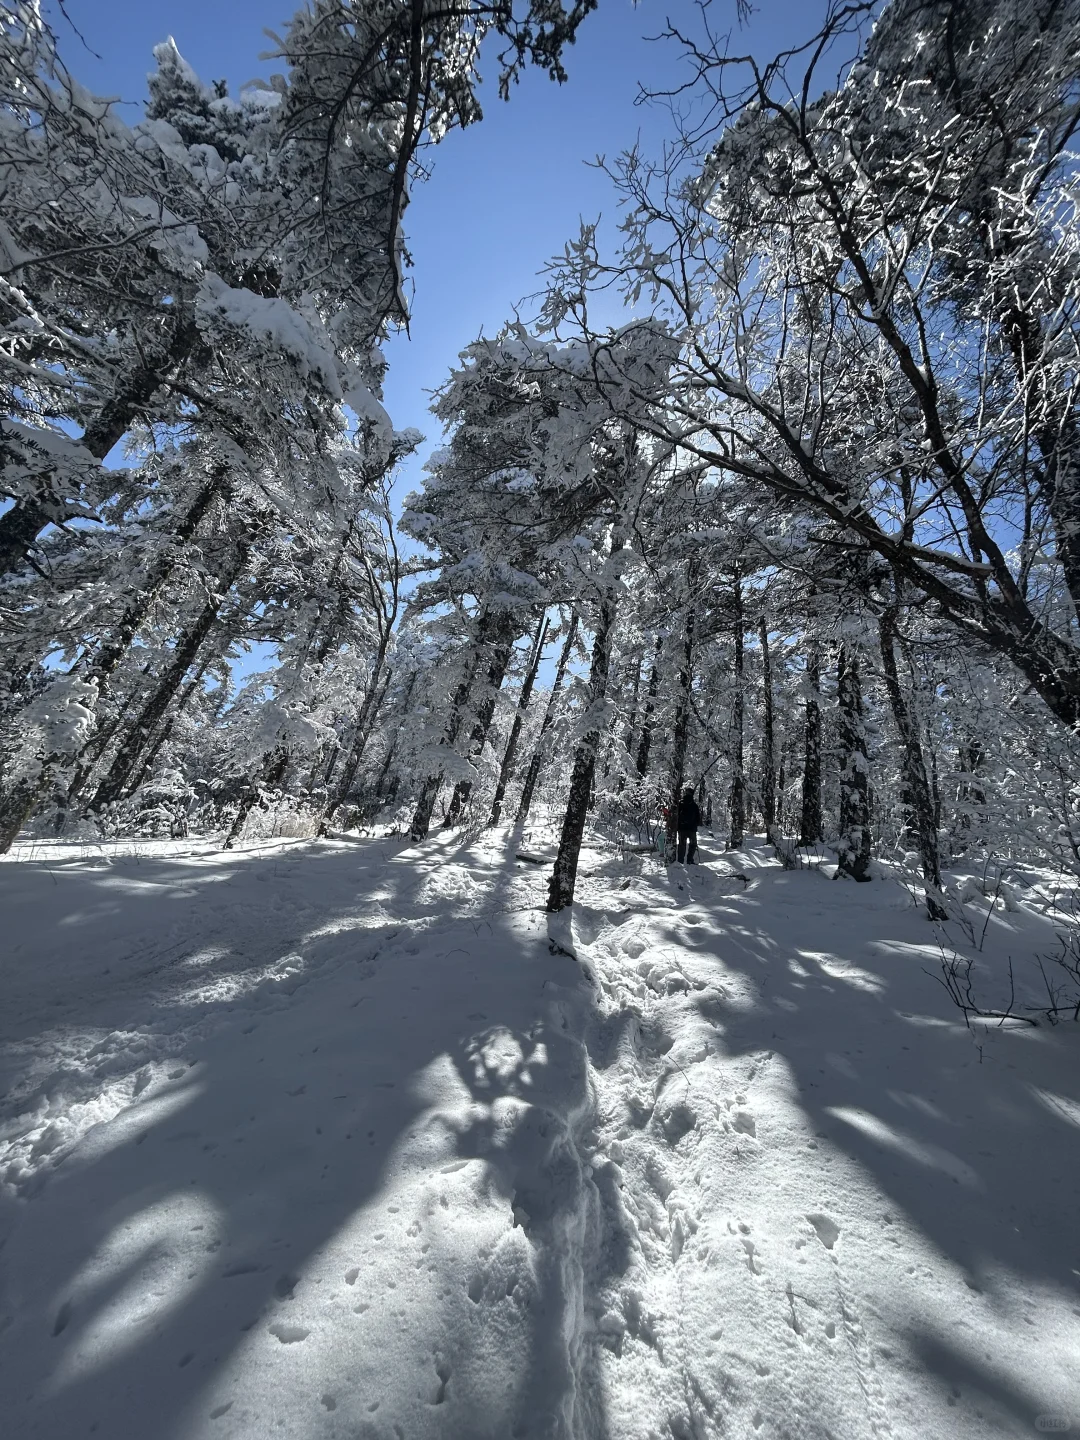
970 793
768 739
486 627
737 802
116 647
97 745
810 824
564 875
641 761
273 771
681 729
921 805
374 694
510 752
23 523
854 839
170 680
160 739
533 772
379 789
478 737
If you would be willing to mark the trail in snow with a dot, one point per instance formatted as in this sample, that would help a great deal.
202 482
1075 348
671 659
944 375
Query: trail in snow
323 1141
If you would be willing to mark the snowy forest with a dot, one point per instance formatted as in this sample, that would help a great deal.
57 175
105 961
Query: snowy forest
800 531
770 492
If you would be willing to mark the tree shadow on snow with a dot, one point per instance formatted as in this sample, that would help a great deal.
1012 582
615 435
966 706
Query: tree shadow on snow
352 1206
972 1135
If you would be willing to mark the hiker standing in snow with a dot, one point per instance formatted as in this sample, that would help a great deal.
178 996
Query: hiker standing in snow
687 822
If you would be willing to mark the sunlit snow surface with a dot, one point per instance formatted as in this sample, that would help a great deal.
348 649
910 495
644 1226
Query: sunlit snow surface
321 1140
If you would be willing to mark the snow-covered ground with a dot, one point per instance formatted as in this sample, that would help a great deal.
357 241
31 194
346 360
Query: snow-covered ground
320 1140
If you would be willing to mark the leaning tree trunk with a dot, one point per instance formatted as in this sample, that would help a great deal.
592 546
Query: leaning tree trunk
172 677
478 736
810 825
528 789
564 875
272 773
158 741
23 523
487 627
92 752
854 839
379 791
114 649
119 642
681 729
18 804
737 801
920 799
425 805
374 694
510 752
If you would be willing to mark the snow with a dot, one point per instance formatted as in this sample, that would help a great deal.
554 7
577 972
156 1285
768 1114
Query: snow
273 322
326 1139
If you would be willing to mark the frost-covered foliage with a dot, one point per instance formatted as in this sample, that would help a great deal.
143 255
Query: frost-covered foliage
800 534
195 453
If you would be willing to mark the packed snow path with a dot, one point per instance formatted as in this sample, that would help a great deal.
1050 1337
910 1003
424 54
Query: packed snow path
321 1140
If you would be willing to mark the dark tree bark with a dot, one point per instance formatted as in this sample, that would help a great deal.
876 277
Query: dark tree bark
681 729
737 801
272 773
510 752
168 683
116 647
21 801
641 760
485 631
23 523
564 875
768 739
496 673
17 804
970 795
96 747
161 738
854 839
920 801
528 789
119 642
380 793
811 828
374 694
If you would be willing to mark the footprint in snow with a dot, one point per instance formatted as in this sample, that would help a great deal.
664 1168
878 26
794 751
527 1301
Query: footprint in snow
744 1122
828 1231
289 1334
751 1256
285 1285
677 1122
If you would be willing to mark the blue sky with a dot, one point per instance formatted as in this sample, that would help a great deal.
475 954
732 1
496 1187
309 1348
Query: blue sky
504 196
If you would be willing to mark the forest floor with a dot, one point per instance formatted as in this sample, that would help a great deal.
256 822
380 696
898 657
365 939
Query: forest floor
322 1140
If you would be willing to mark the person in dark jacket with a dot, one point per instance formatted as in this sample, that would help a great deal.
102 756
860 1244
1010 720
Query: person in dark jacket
687 822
